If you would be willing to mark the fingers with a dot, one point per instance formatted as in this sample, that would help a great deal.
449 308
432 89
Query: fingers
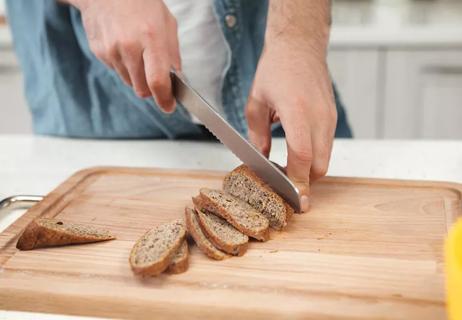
322 139
145 66
259 123
174 46
323 133
157 72
299 151
133 60
139 41
274 117
159 57
148 72
299 161
122 71
125 57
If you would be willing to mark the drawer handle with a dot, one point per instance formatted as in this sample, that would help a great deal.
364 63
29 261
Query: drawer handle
9 69
445 70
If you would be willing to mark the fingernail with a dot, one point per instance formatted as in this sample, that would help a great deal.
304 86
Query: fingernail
169 109
305 202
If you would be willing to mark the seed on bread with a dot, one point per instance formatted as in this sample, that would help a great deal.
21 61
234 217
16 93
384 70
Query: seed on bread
180 263
154 251
203 243
222 234
46 232
244 184
240 214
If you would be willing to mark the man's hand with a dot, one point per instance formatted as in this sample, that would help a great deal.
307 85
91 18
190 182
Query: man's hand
138 39
292 85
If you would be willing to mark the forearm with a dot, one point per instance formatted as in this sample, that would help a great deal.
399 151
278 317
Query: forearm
306 22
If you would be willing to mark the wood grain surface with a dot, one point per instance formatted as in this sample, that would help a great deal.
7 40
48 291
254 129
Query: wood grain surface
368 249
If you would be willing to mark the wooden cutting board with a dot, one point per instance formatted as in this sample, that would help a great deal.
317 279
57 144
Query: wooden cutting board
368 249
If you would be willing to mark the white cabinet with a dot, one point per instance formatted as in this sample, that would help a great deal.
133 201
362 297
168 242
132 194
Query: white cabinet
400 93
423 94
14 114
355 72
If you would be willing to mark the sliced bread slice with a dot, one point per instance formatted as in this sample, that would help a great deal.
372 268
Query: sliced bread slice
222 234
180 263
237 212
45 232
244 184
204 244
153 252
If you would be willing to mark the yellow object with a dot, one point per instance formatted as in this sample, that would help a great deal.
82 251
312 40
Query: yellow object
454 271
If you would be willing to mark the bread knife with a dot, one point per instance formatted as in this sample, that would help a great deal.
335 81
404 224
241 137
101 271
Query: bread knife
231 138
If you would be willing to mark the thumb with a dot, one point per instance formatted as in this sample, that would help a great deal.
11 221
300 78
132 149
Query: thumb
259 123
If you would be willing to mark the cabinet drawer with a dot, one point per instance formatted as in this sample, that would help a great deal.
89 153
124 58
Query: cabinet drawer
355 72
14 114
423 96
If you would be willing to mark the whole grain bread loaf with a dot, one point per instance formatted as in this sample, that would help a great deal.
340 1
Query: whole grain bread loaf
222 234
154 251
203 243
237 212
244 184
45 232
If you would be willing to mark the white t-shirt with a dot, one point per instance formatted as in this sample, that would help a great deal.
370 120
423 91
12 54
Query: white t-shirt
203 49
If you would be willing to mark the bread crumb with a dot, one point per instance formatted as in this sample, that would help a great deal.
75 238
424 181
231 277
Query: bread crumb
273 251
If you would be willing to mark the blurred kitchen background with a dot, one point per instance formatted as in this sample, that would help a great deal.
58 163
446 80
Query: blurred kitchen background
397 64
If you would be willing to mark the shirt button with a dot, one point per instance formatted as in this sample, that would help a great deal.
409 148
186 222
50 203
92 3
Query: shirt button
230 20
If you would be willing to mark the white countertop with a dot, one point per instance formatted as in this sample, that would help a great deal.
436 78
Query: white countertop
36 165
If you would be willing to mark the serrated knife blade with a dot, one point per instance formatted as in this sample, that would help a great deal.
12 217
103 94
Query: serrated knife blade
232 139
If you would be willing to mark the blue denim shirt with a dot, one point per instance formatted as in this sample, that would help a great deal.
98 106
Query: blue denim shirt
71 93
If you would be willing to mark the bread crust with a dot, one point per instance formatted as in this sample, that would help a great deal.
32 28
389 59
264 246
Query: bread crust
235 250
195 232
247 172
158 266
37 235
203 202
180 266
